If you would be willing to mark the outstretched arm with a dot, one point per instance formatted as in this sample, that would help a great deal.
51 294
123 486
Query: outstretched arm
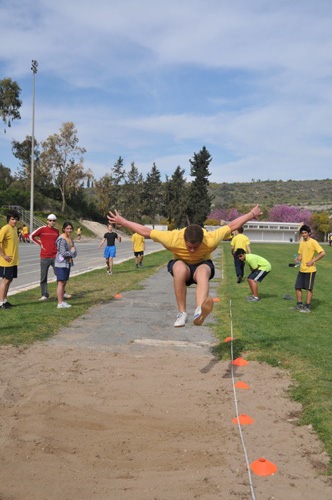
116 218
253 214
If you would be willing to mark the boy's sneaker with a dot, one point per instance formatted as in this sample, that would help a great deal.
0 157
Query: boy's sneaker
251 298
305 310
109 272
181 319
201 312
67 296
64 305
43 297
7 305
298 307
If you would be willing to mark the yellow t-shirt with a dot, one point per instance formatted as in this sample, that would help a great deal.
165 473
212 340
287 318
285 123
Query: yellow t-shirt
174 242
138 242
240 241
307 250
9 245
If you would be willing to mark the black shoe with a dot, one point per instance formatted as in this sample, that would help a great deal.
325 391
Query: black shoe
239 280
6 305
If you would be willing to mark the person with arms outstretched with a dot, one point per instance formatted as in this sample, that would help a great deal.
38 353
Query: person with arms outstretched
191 264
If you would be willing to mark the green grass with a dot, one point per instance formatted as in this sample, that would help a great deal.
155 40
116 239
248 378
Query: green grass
270 331
31 320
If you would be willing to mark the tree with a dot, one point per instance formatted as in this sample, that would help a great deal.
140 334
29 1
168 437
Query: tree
22 151
321 224
103 190
62 158
152 190
176 199
10 102
118 177
199 200
289 213
133 194
5 177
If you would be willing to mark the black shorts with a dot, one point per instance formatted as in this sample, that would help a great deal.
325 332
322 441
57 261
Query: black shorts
138 254
305 281
192 269
257 275
8 272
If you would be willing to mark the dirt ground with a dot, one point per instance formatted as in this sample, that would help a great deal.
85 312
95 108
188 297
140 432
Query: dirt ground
154 424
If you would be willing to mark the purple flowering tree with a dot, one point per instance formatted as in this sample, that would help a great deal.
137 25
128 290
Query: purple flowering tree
287 213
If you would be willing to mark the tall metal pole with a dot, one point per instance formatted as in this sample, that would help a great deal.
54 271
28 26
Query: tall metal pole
34 66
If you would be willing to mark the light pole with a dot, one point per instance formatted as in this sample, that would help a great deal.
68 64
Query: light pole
34 66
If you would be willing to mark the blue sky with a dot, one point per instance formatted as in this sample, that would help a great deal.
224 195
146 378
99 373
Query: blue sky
155 81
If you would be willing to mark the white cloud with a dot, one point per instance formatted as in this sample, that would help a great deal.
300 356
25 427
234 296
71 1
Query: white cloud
155 81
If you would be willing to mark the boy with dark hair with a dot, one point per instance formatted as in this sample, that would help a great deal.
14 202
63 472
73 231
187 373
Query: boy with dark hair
9 258
110 250
192 249
309 252
259 267
240 240
138 249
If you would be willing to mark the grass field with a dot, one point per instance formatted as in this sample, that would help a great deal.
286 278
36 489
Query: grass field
272 332
268 331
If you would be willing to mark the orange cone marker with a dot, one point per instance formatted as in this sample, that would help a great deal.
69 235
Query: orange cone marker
118 296
216 299
243 420
228 339
241 385
263 467
239 362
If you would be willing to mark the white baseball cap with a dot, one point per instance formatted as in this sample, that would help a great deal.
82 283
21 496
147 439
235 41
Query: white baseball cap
51 217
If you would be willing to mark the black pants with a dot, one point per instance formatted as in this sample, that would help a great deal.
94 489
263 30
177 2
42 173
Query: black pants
239 266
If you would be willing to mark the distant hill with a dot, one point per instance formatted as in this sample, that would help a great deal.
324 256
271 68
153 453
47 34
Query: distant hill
314 195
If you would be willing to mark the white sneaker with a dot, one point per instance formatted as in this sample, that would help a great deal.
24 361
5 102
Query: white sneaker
203 311
43 297
67 296
181 319
64 305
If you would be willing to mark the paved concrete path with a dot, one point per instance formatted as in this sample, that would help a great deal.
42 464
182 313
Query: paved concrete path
140 318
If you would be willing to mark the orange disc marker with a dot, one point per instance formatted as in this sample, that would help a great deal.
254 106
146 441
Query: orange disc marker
118 296
239 362
216 299
228 339
263 467
243 420
242 385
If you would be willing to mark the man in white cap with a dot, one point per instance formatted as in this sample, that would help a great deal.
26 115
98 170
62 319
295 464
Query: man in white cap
46 237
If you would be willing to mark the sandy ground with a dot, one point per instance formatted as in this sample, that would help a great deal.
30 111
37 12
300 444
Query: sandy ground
121 405
86 424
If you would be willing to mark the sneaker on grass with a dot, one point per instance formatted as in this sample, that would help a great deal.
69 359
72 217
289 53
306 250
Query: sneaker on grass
298 307
6 305
252 299
67 296
305 310
181 319
43 297
201 312
64 305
